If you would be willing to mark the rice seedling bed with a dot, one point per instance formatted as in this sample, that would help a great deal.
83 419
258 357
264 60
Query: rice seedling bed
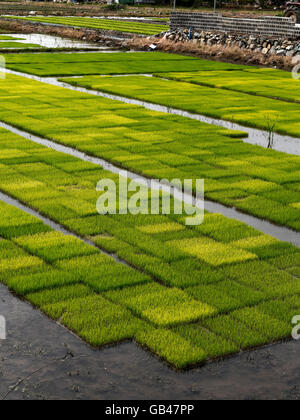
118 63
183 305
106 24
239 107
261 82
264 183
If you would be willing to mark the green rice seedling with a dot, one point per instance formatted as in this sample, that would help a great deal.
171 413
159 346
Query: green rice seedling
255 242
198 272
171 347
239 107
271 328
264 277
286 261
12 266
295 271
212 252
226 295
171 134
214 346
95 319
160 305
55 246
85 262
234 330
212 269
109 243
40 281
55 295
161 228
103 275
10 250
262 82
283 310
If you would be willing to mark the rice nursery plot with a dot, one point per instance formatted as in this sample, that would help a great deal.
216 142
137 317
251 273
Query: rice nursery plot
242 108
55 64
261 82
264 183
106 24
186 293
195 293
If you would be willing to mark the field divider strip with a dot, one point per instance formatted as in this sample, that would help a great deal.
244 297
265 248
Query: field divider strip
279 232
257 137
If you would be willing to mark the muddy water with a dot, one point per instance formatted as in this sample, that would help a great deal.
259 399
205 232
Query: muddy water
49 41
278 232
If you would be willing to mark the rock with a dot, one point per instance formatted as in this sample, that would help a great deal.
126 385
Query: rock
265 45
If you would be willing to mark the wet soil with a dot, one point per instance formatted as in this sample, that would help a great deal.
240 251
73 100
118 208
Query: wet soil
41 360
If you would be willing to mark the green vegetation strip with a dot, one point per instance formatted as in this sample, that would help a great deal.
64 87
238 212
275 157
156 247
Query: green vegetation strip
117 63
106 24
262 82
258 112
220 287
9 38
17 45
264 183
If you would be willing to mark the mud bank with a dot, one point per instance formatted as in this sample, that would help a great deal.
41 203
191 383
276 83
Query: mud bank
107 38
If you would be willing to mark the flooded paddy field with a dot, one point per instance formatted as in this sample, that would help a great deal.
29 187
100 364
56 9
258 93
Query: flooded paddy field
200 311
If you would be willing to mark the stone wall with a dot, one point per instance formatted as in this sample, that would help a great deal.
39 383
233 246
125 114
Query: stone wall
264 26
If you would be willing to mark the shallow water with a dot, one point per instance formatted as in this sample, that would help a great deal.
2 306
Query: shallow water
49 41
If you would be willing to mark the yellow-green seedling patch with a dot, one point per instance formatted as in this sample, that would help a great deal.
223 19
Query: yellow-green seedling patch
54 246
161 305
162 228
212 252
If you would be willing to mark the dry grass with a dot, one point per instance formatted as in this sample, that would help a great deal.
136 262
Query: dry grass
217 52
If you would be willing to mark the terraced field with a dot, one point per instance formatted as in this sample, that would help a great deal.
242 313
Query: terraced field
140 28
186 293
